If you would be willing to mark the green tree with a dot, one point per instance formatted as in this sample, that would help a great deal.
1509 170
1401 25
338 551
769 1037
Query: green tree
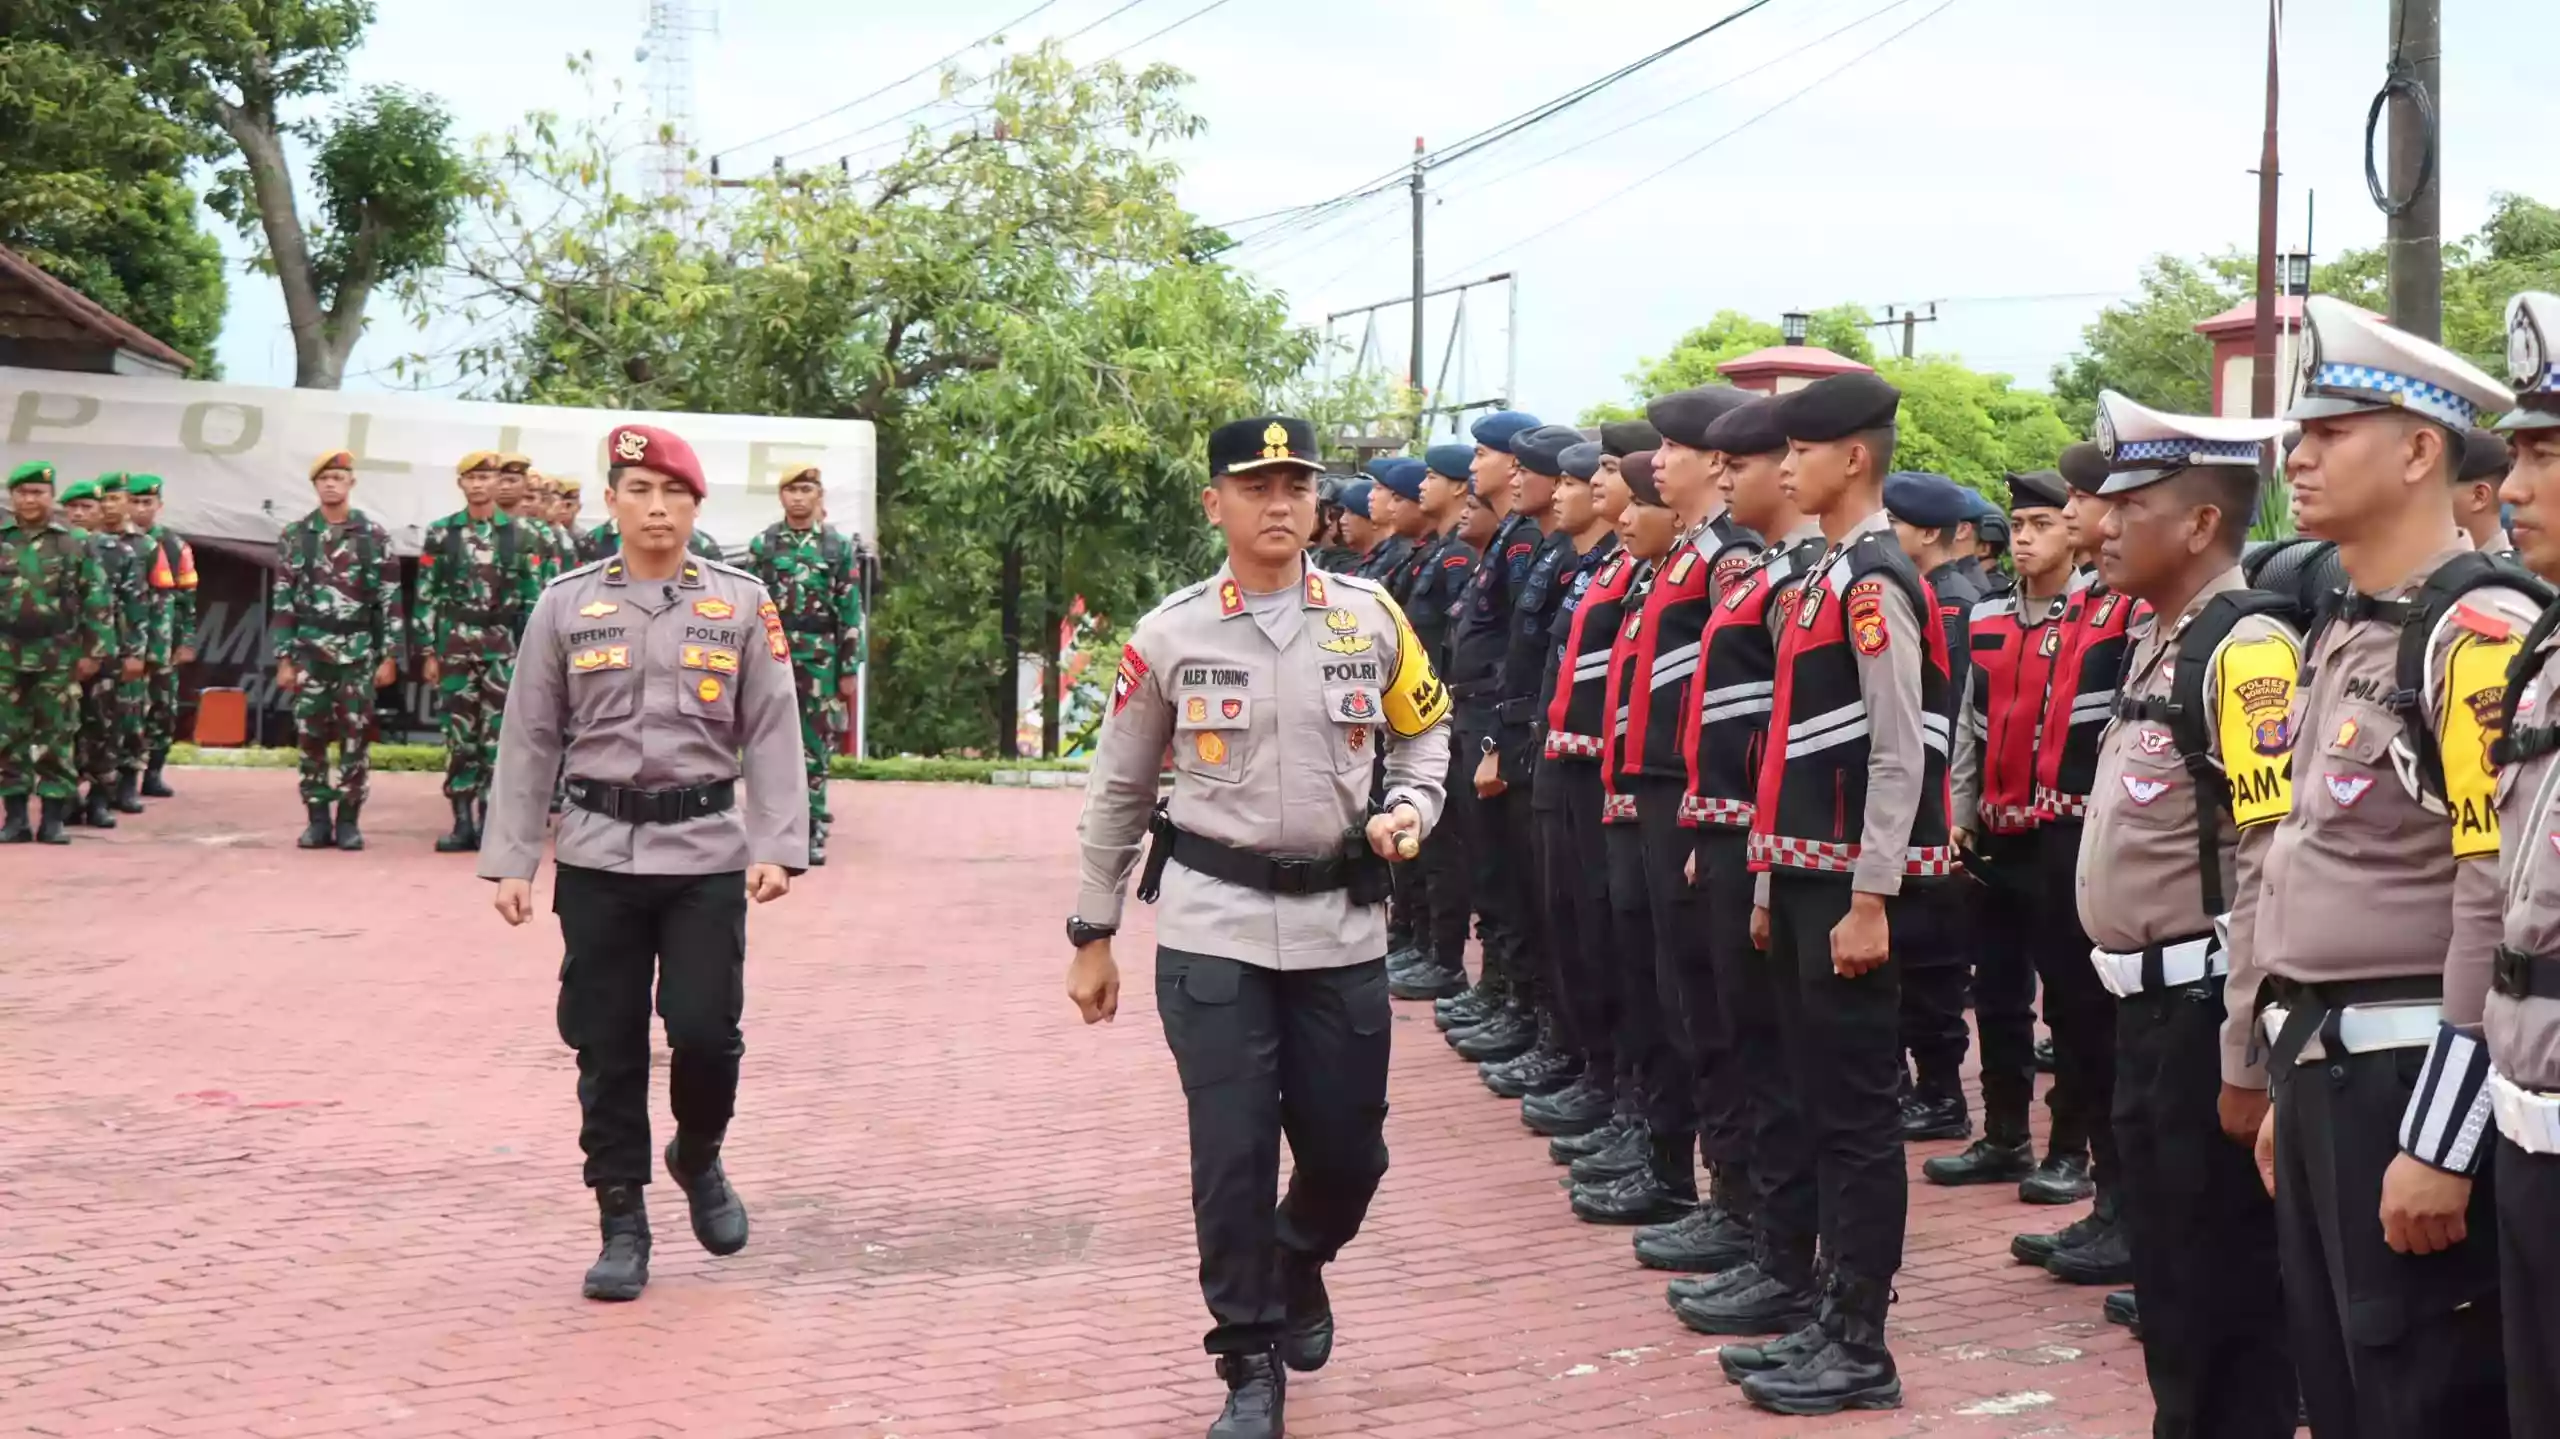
1022 308
1693 359
2146 348
236 77
1970 426
92 189
2517 249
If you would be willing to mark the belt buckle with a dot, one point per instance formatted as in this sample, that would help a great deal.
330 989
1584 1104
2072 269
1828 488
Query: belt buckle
2511 973
1292 876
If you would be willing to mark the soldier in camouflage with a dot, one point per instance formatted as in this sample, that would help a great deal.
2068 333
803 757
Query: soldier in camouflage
133 692
56 628
478 579
106 736
170 569
525 497
815 578
337 610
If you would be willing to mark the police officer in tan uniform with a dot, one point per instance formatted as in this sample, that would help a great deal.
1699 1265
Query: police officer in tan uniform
2521 1015
655 671
2194 767
1274 685
2373 894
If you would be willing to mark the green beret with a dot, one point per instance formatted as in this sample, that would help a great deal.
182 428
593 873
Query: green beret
79 490
142 484
110 483
33 472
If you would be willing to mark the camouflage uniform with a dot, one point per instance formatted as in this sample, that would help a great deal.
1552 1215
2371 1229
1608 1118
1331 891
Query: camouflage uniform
55 609
477 583
337 609
606 539
111 707
815 580
170 567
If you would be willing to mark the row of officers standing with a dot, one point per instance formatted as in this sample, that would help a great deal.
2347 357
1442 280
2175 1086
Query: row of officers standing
1752 773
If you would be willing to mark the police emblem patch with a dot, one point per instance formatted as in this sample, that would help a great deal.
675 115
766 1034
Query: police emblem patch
2144 791
1132 671
1866 617
1195 710
2267 703
709 689
2346 789
1358 705
1210 748
2347 731
2051 644
2487 708
1231 708
1341 622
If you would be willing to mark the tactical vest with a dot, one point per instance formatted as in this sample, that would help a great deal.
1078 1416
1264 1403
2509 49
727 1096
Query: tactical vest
175 568
1813 785
1533 615
1729 725
1665 633
1578 712
1482 632
2013 663
1441 569
1625 674
2082 696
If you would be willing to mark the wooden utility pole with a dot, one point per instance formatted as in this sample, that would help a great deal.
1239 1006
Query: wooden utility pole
2262 341
2415 247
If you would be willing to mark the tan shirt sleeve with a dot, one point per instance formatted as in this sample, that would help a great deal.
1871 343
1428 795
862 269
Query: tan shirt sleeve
1120 788
769 751
528 746
1889 683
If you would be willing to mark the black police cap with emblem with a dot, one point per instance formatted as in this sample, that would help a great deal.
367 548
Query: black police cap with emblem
1838 406
1621 438
1685 416
1243 446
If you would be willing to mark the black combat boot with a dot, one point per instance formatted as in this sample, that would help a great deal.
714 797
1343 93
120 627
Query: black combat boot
719 1217
129 792
1507 1035
153 786
464 837
2039 1249
2063 1178
622 1270
319 833
1309 1341
79 810
14 829
1714 1236
50 813
1546 1068
1741 1361
349 837
1853 1371
2122 1308
1927 1116
1566 1148
98 812
1773 1294
1578 1108
1428 979
1662 1191
1624 1156
1257 1392
1476 1004
2103 1255
2004 1154
2044 1055
817 851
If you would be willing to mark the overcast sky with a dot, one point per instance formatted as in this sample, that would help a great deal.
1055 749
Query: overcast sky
2015 160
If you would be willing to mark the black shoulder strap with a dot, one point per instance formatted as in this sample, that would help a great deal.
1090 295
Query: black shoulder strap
2444 589
2514 746
310 544
1874 557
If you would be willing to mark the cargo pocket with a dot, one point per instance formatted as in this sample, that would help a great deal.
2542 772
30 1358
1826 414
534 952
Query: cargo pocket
1355 711
1196 1003
597 695
1367 1002
562 1009
1213 735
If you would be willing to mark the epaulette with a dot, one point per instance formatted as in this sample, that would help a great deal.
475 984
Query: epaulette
724 567
1995 607
1181 596
1357 582
594 564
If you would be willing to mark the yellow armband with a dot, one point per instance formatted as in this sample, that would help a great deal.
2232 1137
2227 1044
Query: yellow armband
2253 726
1416 699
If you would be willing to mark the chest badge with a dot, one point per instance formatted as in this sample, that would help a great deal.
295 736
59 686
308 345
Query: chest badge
2144 791
2152 741
2347 731
1359 739
598 610
1349 644
2346 789
1341 622
714 609
1210 748
709 689
2051 644
1231 708
1358 705
1195 710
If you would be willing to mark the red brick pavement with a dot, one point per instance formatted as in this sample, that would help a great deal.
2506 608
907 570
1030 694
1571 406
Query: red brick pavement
289 1150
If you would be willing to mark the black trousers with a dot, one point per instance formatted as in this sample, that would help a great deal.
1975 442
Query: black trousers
2388 1345
1844 1051
1754 1075
1930 948
2078 1009
2203 1229
2529 1266
1514 832
2004 976
1657 1085
1684 976
687 934
1265 1053
1448 868
1574 887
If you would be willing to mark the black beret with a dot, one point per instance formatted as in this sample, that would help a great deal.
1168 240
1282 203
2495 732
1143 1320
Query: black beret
2083 467
1581 460
1542 449
1637 471
2485 456
1748 429
2036 490
1240 446
1838 406
1685 415
1624 437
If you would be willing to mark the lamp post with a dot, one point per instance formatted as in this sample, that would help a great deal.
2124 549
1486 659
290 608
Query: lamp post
2296 265
1794 325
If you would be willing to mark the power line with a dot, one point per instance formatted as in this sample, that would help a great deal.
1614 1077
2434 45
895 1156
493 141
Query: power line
1622 191
917 74
1160 34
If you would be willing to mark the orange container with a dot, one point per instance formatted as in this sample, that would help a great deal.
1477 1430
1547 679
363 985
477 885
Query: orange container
222 718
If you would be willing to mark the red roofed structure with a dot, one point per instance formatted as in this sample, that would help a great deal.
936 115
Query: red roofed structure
1783 368
47 325
2234 335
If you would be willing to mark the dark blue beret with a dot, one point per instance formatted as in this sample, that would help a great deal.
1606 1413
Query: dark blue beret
1933 502
1355 497
1582 461
1838 406
1450 461
1495 431
1624 437
1747 429
1399 473
1542 449
1685 415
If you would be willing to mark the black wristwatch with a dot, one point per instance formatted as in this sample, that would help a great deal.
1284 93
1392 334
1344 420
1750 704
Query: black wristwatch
1080 934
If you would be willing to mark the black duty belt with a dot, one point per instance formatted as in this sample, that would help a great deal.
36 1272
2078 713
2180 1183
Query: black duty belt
652 806
2519 975
2313 1008
1355 868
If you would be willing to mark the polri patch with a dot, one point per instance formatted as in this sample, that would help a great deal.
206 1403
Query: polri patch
1866 617
1133 672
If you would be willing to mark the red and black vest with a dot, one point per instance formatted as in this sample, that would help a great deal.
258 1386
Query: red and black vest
2012 664
1728 722
2083 697
1625 676
1577 712
1663 637
1813 784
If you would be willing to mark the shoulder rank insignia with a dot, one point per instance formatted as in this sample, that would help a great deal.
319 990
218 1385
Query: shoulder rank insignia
1315 588
1230 599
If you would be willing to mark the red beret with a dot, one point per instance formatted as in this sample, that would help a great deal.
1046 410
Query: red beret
658 449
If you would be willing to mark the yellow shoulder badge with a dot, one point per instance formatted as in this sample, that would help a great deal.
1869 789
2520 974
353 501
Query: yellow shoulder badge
2253 726
2475 691
1416 699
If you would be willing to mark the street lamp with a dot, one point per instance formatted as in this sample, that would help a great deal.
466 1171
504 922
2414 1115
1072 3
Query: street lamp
1793 325
2297 272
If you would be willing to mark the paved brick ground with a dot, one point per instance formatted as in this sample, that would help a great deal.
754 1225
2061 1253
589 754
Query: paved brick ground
289 1149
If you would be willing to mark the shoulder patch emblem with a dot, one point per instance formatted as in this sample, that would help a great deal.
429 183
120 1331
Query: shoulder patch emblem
1231 708
2346 789
714 609
1866 617
2106 611
599 609
1195 710
1315 588
2144 791
1732 567
2266 701
775 641
1133 670
1516 551
1454 562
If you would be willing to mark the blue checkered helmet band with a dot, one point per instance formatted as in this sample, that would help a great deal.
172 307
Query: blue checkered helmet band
2145 454
2382 387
